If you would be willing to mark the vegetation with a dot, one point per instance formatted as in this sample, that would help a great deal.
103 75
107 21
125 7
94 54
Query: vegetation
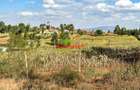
64 35
124 31
107 62
98 32
66 77
54 40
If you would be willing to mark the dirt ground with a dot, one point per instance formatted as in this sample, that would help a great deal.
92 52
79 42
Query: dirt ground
4 40
10 84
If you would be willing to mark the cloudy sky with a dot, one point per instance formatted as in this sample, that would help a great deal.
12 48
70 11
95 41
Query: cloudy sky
82 13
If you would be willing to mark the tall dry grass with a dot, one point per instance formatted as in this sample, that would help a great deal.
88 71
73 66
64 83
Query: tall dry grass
37 66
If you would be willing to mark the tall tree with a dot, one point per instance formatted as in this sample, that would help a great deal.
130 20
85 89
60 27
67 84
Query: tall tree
123 31
2 27
21 28
42 27
117 30
71 28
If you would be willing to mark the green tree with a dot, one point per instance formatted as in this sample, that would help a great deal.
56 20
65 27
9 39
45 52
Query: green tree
2 27
80 32
70 27
21 28
98 32
64 35
123 31
62 28
43 27
54 39
117 30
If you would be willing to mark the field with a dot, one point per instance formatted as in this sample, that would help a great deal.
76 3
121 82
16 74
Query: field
102 41
3 39
49 68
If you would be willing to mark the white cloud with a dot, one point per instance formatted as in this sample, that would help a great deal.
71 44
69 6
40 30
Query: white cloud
28 13
124 3
50 2
137 6
129 17
51 5
120 5
127 4
103 7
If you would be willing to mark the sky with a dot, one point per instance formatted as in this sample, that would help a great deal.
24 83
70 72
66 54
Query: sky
81 13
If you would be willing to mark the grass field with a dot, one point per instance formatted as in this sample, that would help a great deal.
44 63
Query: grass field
44 67
111 41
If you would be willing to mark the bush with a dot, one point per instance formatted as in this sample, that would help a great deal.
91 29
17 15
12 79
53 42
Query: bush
54 39
66 77
65 42
127 55
98 32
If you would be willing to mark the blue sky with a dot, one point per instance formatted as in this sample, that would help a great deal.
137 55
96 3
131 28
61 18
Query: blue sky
82 13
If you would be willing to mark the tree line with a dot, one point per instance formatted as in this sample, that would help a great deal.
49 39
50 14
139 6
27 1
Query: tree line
23 35
124 31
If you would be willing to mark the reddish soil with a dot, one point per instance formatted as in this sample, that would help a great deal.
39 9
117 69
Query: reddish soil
71 46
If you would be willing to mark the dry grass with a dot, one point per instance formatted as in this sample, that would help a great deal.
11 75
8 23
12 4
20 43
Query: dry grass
10 84
98 72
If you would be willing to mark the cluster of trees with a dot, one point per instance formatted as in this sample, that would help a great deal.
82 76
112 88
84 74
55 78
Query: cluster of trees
20 28
97 32
21 35
64 39
124 31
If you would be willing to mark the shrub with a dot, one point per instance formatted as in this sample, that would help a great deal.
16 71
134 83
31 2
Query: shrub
54 39
98 32
66 77
65 42
90 72
126 55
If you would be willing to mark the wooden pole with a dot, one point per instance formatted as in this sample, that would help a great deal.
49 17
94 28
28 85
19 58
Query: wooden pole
26 65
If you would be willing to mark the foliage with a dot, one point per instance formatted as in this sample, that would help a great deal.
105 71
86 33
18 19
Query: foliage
43 27
54 39
64 35
80 32
124 31
17 41
126 55
69 27
117 30
66 77
65 42
2 27
98 32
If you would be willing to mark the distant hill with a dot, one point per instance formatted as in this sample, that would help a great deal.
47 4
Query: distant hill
105 28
